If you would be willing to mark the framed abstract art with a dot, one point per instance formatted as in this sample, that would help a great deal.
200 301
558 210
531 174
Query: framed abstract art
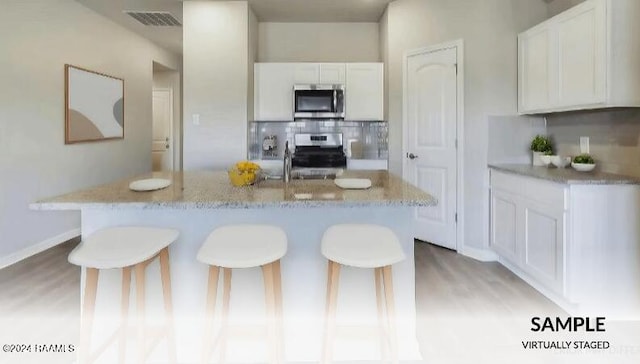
94 106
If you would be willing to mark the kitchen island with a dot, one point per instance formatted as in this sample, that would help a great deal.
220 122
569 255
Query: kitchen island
198 202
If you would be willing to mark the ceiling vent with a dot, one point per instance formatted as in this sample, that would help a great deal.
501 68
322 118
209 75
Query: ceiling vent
155 18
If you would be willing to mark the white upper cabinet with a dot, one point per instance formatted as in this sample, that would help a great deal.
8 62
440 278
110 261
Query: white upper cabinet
585 58
534 69
305 73
273 91
582 71
273 88
364 94
332 73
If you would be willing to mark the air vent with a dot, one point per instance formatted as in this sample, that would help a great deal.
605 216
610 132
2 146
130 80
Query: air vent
155 18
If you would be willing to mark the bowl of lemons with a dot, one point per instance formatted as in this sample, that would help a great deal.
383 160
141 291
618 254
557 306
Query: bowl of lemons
244 173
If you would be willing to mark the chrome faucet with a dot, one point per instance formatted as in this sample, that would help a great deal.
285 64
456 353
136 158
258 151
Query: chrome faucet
286 169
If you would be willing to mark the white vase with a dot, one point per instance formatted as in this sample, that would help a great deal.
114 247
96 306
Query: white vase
537 161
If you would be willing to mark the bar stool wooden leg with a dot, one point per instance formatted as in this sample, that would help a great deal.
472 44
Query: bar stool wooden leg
277 283
391 315
210 311
168 303
226 295
381 322
88 307
332 301
124 313
140 311
269 290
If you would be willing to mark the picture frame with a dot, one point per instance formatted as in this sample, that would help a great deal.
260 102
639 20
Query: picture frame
94 106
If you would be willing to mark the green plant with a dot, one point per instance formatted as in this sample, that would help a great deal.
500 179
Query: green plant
548 152
541 144
583 159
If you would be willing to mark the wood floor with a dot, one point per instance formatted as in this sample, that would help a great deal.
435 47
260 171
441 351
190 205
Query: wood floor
457 299
44 284
473 312
40 305
449 284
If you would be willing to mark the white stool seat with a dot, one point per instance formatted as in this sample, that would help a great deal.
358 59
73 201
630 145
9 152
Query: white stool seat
121 247
243 246
361 245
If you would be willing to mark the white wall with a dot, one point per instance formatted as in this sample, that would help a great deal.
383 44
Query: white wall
38 38
215 58
489 30
558 6
319 42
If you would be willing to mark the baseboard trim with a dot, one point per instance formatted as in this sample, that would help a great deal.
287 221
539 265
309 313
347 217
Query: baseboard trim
483 255
37 248
570 308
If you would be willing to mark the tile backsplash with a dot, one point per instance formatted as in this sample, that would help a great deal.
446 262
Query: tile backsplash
614 137
510 138
362 139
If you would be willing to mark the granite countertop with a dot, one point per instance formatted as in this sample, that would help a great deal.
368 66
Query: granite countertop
212 189
566 175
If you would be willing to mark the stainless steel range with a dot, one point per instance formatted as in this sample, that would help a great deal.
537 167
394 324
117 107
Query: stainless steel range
321 150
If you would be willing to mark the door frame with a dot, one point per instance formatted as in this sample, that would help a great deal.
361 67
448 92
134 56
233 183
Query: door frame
171 121
458 45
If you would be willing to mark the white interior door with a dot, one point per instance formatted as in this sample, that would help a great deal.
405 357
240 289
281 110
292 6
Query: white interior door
430 140
162 146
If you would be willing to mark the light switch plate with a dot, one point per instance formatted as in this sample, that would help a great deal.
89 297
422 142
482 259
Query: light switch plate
584 145
196 119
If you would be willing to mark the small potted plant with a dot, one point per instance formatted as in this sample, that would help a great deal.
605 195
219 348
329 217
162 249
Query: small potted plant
583 163
540 145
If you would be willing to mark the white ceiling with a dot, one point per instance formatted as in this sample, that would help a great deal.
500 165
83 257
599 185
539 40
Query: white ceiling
265 10
167 37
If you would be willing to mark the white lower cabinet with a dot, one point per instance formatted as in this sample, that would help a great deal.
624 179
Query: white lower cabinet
504 225
543 245
577 244
527 229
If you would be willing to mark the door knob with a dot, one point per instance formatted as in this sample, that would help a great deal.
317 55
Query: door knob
411 156
166 139
167 146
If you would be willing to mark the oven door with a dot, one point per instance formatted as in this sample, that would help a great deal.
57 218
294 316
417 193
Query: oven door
318 103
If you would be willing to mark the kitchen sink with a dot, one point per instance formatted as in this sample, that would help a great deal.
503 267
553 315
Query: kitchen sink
313 188
307 174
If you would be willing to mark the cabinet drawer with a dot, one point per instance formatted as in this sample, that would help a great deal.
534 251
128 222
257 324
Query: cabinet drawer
549 193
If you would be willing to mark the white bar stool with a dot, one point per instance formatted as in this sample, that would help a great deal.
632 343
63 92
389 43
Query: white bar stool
124 248
362 246
244 246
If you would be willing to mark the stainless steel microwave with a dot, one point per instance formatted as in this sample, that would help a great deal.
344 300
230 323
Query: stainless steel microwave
318 102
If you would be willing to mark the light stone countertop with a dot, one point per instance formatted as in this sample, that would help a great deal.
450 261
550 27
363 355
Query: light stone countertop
212 190
566 175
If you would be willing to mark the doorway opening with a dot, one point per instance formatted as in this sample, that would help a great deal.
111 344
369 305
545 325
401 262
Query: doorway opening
166 146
